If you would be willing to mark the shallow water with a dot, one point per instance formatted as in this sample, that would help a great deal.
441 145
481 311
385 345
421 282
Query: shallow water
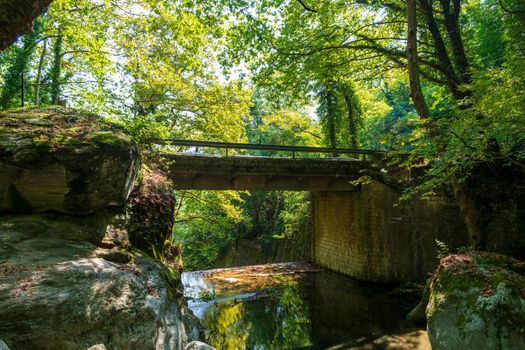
280 306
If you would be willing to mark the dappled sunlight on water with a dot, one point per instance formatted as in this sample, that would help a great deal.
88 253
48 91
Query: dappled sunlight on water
297 306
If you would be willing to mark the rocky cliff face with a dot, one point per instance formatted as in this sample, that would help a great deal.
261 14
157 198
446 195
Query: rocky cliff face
16 18
70 277
62 160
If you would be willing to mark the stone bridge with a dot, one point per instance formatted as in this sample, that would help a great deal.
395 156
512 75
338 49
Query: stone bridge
267 173
204 172
361 231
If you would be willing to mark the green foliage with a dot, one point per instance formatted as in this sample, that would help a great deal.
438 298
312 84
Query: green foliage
17 62
259 71
485 27
153 66
271 122
278 320
227 326
442 249
295 214
205 223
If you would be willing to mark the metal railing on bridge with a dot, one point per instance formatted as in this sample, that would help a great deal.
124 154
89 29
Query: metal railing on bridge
294 150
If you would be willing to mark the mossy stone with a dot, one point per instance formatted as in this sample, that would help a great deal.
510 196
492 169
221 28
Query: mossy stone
477 301
111 139
64 160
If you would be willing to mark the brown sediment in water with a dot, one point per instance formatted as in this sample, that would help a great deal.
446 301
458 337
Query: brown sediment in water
256 277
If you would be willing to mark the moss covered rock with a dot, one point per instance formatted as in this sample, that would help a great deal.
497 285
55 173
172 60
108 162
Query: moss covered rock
63 160
56 292
477 301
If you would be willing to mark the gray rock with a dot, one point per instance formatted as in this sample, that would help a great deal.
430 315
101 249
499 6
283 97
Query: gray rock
97 347
56 293
63 160
3 346
477 302
198 345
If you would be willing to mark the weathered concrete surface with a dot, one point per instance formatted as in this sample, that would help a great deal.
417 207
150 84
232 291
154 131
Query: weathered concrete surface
263 173
364 235
16 18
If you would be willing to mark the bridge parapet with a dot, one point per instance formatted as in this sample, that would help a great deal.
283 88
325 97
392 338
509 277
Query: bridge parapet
229 148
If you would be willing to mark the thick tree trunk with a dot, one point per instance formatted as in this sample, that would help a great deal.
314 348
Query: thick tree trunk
441 51
463 197
352 114
413 66
454 34
470 215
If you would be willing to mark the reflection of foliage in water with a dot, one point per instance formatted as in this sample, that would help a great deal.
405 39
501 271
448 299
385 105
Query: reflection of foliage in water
292 318
279 321
228 330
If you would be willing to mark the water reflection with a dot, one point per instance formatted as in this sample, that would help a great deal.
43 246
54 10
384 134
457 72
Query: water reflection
318 310
277 320
227 326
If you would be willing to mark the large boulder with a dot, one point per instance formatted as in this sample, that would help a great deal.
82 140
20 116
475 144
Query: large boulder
477 301
70 277
56 293
63 160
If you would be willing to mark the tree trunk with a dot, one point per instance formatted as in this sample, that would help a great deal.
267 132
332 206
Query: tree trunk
413 66
463 197
454 34
470 215
56 70
331 114
39 73
441 52
353 113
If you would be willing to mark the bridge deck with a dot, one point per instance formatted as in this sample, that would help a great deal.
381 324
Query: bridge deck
197 171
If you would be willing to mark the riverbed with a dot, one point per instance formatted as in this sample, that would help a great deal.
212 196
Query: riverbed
298 306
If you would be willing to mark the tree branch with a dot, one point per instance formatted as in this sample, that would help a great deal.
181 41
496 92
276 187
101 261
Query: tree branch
306 7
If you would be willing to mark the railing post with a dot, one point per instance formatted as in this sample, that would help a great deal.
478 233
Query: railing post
293 154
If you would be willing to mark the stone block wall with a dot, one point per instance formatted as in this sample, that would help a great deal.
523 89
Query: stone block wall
368 235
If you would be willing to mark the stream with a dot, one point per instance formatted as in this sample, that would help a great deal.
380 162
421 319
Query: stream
298 306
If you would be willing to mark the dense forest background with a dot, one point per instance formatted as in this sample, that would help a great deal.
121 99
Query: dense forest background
294 72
